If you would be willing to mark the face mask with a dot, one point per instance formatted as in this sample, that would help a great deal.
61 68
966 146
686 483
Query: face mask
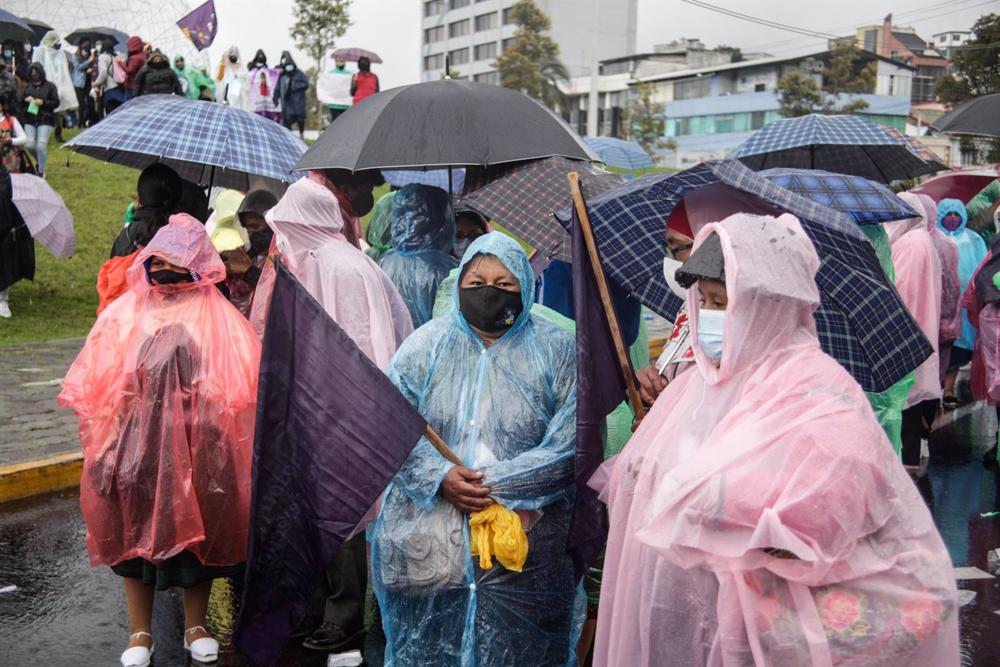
361 203
461 245
168 277
951 222
260 242
670 266
57 46
710 327
233 59
289 68
489 309
8 54
27 48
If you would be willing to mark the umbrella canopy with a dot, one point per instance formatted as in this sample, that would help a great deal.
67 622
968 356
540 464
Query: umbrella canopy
523 198
979 116
842 144
45 214
865 201
351 55
38 30
915 145
963 184
441 124
434 177
98 34
861 321
619 153
208 144
12 27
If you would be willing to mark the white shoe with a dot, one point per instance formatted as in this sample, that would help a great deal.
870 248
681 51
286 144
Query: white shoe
137 656
5 310
205 649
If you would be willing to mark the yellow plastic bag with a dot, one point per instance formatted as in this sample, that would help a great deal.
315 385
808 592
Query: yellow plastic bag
499 532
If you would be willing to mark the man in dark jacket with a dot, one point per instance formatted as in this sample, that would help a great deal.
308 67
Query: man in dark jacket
157 77
290 93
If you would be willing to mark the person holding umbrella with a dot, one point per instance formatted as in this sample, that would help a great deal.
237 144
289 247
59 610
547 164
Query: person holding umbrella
17 248
110 95
364 83
82 73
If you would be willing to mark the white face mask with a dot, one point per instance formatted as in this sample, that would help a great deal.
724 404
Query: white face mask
711 324
670 266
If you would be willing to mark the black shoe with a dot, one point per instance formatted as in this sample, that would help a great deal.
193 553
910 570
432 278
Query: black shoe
330 637
306 627
990 457
950 402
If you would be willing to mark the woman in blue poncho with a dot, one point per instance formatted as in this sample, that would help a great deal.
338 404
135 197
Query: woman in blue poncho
952 219
499 385
423 233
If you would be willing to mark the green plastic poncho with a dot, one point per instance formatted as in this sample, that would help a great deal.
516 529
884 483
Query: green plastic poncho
510 411
888 405
192 79
379 233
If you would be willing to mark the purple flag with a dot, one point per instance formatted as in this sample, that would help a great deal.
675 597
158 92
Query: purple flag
600 387
200 25
332 431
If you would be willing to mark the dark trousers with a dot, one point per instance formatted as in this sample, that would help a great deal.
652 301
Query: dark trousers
340 595
917 422
335 113
291 122
86 112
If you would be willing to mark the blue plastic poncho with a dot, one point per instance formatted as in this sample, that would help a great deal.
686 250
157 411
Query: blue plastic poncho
972 251
423 233
510 411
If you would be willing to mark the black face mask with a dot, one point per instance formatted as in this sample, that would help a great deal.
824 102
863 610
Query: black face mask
233 59
260 242
490 309
362 204
168 277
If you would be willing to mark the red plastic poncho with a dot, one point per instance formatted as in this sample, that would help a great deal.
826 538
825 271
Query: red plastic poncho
165 391
777 448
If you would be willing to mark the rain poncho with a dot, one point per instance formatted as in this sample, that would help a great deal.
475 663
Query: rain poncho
971 251
165 389
423 232
918 281
308 232
261 82
231 80
192 79
510 411
56 68
776 448
379 232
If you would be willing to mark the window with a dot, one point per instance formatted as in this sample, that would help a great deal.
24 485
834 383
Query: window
435 34
756 120
459 56
492 78
433 7
956 37
486 21
435 61
759 87
507 19
458 4
724 123
459 28
507 43
692 88
486 51
620 67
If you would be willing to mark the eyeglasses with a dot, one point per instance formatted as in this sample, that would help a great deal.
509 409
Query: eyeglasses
671 251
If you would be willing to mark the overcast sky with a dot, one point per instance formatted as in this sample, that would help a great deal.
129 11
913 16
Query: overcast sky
392 27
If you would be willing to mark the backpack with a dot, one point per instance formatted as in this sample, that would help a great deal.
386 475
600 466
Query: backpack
118 72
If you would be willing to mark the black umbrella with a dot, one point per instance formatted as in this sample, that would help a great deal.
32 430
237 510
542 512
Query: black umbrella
38 30
444 123
12 27
97 35
980 116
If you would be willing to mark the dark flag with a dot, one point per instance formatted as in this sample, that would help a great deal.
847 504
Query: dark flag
600 387
200 25
332 431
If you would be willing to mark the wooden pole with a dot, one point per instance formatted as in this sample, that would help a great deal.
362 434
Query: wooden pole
631 389
440 445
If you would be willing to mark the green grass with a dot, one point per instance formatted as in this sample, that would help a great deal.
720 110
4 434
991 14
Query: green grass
62 300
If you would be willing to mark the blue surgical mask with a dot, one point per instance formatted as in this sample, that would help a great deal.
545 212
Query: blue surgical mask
711 324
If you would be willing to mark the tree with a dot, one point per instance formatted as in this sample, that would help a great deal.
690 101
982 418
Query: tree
647 119
531 65
318 25
978 62
952 91
798 95
734 51
842 74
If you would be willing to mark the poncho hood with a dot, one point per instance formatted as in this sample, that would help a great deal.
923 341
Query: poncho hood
305 218
510 253
946 206
182 242
422 219
50 39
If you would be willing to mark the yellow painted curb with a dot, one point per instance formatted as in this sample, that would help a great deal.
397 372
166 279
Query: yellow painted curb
23 480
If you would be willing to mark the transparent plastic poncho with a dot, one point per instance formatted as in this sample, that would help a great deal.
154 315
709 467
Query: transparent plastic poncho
165 390
510 411
758 516
379 232
423 233
972 251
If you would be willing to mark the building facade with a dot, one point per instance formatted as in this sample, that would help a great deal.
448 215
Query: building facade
905 45
947 42
472 33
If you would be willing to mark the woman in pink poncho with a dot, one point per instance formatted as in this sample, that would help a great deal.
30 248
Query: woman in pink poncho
759 515
165 390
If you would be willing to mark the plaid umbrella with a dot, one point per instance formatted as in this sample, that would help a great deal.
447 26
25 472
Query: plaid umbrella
842 144
618 153
861 321
45 214
914 144
435 177
208 144
523 198
865 201
351 55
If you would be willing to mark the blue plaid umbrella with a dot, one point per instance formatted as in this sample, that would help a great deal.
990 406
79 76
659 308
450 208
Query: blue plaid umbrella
206 143
618 153
841 144
861 321
867 202
436 177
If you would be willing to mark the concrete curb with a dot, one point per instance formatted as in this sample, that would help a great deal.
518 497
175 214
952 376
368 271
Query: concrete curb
23 480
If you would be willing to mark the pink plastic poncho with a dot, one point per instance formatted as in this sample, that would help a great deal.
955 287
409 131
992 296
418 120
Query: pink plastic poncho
984 377
165 390
356 293
918 280
776 448
951 289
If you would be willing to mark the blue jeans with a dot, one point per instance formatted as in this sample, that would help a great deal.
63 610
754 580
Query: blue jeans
38 143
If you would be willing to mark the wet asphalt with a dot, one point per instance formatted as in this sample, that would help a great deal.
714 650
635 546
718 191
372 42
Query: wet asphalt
66 613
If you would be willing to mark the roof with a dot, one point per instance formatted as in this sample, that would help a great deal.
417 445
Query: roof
910 40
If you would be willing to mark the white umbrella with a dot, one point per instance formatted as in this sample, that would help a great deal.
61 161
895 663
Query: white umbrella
45 214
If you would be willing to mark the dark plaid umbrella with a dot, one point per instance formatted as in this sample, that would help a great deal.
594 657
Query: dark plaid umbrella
352 55
99 34
865 201
914 144
620 153
979 116
861 321
522 198
12 27
842 144
38 30
444 123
